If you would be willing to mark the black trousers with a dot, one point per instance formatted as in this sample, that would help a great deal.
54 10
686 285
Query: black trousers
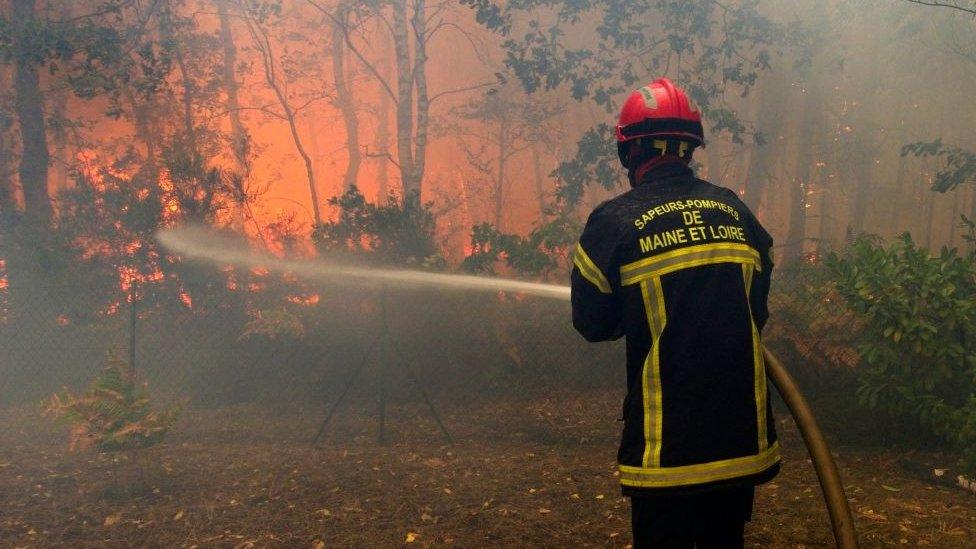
707 520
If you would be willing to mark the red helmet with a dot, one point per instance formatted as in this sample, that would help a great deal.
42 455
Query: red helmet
659 109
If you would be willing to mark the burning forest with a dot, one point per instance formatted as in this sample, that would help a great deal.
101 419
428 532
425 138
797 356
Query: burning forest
330 273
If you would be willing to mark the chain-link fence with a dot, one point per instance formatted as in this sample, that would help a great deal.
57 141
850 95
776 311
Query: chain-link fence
283 349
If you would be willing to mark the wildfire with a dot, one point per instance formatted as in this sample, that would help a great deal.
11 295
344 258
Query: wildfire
308 300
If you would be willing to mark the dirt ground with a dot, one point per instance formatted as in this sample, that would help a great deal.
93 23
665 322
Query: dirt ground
520 474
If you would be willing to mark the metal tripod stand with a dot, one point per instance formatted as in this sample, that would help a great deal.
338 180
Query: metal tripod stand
381 343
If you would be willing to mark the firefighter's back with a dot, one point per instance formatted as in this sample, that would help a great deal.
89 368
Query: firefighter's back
687 258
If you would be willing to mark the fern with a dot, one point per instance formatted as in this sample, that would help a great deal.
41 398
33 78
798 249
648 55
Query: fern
114 414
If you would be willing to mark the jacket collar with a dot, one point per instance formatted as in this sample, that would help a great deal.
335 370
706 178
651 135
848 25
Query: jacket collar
668 170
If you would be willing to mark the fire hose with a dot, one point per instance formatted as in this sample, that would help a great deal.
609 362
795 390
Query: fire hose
838 508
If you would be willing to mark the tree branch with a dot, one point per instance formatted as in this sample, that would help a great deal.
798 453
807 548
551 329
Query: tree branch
949 5
345 34
462 90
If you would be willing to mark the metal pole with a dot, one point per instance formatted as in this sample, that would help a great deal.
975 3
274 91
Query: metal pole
353 375
383 356
430 405
133 318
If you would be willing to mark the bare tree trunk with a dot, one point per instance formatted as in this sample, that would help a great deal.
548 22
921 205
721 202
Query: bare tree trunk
238 135
929 214
957 197
28 104
500 176
404 107
823 234
59 104
862 195
540 181
167 30
144 132
346 104
382 155
383 147
419 25
713 159
240 142
59 108
972 206
263 44
757 170
796 234
898 198
8 200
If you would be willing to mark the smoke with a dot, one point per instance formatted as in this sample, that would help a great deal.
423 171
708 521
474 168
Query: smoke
204 244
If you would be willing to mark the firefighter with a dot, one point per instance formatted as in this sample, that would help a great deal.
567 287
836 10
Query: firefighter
681 267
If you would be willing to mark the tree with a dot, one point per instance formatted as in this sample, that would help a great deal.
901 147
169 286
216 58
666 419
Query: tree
710 48
257 16
917 356
240 140
411 26
28 105
398 232
8 204
496 127
344 99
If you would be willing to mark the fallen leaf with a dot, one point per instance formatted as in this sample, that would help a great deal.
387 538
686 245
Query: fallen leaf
178 515
318 544
544 511
890 488
412 537
112 520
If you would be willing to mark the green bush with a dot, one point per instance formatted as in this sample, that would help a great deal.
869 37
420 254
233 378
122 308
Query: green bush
918 350
544 250
399 232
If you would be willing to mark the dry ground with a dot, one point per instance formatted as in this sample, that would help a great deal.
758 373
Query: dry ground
519 474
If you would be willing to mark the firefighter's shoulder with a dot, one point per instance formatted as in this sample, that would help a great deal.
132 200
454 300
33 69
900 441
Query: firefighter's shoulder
763 236
720 190
608 215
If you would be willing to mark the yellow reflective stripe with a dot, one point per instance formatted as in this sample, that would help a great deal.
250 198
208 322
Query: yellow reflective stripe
759 365
589 270
658 404
760 374
653 295
701 473
685 258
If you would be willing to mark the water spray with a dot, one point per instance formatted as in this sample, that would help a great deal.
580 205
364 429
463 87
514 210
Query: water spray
206 245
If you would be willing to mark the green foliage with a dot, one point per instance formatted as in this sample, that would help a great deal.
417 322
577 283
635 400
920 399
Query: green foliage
534 255
595 163
398 232
710 48
114 414
960 164
919 345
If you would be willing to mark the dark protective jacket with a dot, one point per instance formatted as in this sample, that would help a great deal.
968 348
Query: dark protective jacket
681 267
